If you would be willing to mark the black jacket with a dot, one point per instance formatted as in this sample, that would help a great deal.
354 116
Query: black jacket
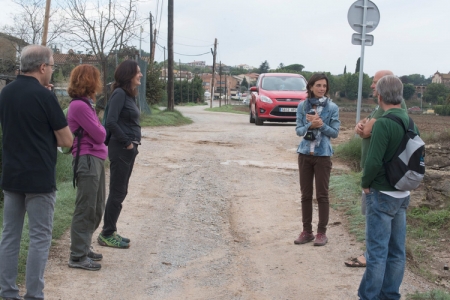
122 120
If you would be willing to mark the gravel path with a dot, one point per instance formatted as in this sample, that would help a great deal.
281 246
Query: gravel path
212 211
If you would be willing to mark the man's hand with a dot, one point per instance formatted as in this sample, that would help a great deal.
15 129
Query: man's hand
316 121
359 128
49 86
130 146
366 191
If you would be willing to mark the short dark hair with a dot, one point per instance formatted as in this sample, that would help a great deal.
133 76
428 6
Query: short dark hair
390 88
312 81
123 75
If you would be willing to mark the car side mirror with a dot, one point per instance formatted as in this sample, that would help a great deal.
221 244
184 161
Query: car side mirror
253 89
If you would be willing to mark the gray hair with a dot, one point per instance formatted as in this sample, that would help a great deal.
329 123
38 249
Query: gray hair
33 56
390 88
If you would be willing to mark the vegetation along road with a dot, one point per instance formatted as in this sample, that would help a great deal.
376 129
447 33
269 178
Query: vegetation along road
212 211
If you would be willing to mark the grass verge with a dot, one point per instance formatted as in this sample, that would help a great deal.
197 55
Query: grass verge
164 118
235 109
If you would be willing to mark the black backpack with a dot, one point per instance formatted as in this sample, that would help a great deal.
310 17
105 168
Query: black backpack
407 168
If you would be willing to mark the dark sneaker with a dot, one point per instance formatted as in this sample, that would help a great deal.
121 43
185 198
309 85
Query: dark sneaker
123 239
304 237
94 256
86 264
321 239
112 241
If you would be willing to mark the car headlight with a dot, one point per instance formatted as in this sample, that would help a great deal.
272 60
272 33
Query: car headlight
265 99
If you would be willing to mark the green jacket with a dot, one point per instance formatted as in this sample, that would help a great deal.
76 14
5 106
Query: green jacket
385 140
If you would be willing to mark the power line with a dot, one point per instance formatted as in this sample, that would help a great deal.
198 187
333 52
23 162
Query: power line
186 54
190 45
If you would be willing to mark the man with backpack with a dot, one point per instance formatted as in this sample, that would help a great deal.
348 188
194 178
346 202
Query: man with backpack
386 205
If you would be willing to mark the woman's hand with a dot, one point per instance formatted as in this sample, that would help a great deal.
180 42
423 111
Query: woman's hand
130 146
316 121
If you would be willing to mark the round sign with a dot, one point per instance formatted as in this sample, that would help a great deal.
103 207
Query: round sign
356 13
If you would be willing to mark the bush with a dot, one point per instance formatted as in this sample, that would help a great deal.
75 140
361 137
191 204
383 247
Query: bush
442 110
351 152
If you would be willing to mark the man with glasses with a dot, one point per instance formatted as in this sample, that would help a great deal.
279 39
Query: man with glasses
33 125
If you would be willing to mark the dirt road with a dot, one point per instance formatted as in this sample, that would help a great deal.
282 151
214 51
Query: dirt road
212 211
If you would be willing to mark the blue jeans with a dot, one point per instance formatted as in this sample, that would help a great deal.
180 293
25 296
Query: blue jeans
385 243
40 209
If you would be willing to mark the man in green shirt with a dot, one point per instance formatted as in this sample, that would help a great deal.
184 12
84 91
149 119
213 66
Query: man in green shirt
386 206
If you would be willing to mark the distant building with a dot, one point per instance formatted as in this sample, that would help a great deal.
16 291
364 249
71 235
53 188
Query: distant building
10 48
441 78
227 85
245 67
195 63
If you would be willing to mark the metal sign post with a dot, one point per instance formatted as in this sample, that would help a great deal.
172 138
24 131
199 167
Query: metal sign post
363 16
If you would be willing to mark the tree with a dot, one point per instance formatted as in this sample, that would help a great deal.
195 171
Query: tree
295 67
435 93
244 83
155 86
28 22
103 27
264 67
358 62
280 66
408 91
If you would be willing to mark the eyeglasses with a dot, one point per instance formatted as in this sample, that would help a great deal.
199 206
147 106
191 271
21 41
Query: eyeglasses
51 66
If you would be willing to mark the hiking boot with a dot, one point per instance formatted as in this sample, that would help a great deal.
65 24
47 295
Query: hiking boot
304 237
321 239
94 256
86 264
16 298
123 239
112 241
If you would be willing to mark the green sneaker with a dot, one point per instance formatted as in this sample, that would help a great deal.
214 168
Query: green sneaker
123 239
112 241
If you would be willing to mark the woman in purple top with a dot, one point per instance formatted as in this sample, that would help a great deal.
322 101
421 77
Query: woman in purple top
89 154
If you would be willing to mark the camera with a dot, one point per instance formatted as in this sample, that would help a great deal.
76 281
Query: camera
309 136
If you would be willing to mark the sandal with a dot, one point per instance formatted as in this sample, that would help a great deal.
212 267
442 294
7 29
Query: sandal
355 263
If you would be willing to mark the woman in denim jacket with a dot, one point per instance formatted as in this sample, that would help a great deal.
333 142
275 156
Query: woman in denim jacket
317 122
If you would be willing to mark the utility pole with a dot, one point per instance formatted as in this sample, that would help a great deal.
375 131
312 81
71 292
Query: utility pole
226 89
151 37
213 72
170 102
181 86
220 84
154 45
46 20
187 80
140 41
165 70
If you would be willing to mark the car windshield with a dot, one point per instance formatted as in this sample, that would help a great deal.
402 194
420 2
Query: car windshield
283 83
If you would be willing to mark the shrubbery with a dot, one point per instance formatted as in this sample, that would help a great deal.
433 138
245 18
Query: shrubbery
442 110
351 152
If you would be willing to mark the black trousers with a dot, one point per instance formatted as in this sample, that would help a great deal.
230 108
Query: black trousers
122 162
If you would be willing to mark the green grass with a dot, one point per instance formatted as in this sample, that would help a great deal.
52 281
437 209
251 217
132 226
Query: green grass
434 137
346 197
193 104
64 207
235 109
164 118
432 295
350 152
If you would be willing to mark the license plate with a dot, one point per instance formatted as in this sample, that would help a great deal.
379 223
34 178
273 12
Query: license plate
288 109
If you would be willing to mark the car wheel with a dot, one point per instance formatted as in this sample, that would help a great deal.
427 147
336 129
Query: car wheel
252 119
258 121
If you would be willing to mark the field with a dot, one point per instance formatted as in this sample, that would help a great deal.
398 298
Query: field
426 123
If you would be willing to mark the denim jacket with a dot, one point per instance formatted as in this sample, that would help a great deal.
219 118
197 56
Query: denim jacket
330 129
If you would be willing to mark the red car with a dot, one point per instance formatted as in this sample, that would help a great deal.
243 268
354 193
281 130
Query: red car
276 96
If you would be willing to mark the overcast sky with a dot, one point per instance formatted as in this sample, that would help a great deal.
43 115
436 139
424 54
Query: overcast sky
412 36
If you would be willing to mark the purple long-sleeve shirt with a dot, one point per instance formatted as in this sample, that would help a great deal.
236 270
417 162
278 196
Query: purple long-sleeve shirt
92 141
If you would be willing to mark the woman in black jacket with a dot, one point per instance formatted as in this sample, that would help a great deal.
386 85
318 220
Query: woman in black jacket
123 139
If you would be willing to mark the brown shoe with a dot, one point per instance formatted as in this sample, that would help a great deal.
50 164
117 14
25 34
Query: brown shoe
304 238
321 239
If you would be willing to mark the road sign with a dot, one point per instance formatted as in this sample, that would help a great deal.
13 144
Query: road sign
357 39
356 13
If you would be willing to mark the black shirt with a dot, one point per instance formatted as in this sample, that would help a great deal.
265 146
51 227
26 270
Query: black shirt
123 118
29 115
